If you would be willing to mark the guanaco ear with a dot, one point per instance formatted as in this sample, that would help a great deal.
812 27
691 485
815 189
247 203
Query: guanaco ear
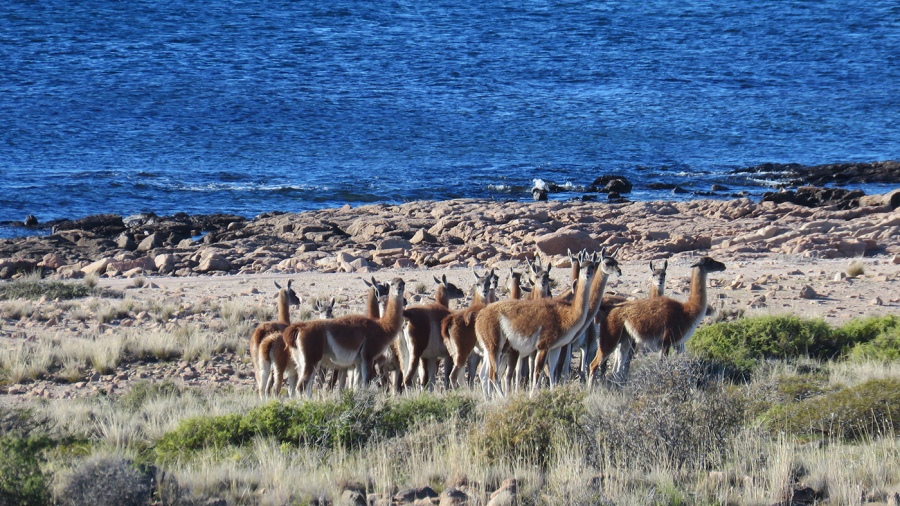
277 285
665 264
651 266
444 279
332 302
436 280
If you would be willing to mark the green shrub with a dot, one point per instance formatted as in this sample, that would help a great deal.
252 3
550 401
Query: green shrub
741 344
21 479
201 432
875 338
883 348
33 289
868 409
350 422
524 428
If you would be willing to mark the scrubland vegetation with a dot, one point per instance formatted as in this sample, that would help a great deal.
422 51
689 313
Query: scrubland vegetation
758 410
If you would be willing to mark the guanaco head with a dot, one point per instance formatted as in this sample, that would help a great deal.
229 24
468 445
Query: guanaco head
575 261
396 289
607 263
287 293
483 286
658 278
540 277
446 290
381 289
707 264
325 309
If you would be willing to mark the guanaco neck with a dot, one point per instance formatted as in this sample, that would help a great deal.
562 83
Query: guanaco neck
515 287
598 287
284 307
392 319
441 297
373 309
580 305
697 301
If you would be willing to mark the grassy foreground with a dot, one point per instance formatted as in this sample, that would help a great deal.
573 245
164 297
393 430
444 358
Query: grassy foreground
759 411
677 433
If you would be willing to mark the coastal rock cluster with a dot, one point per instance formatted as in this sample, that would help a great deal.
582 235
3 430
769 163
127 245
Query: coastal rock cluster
450 233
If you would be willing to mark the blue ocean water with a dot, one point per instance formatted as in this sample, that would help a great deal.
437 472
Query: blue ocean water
252 106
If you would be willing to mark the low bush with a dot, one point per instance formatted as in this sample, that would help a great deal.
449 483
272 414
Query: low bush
672 414
868 409
349 422
104 480
875 338
525 427
33 289
741 344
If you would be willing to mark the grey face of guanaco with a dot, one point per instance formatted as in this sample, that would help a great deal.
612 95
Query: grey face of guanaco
291 294
451 291
325 309
708 264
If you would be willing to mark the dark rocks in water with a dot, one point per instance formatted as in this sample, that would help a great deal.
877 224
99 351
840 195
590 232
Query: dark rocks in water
811 196
719 188
662 186
30 221
611 183
615 198
539 193
795 174
100 224
679 191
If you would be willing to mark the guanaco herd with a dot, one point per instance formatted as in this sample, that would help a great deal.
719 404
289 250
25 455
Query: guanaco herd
515 343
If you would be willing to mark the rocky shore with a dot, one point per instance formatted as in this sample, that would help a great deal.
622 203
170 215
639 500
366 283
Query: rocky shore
453 233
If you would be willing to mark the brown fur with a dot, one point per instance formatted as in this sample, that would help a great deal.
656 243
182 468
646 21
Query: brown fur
348 341
659 322
286 297
531 325
458 330
586 337
422 333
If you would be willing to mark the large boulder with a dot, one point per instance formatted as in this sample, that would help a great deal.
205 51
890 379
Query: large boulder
564 240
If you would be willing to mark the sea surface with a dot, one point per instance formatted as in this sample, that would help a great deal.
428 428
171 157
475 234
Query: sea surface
249 106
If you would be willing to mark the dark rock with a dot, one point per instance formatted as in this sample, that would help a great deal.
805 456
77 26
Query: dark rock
662 186
679 190
539 194
412 494
611 183
31 221
106 225
719 188
794 174
811 196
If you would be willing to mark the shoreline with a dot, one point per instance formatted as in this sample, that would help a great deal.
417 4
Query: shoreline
453 233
